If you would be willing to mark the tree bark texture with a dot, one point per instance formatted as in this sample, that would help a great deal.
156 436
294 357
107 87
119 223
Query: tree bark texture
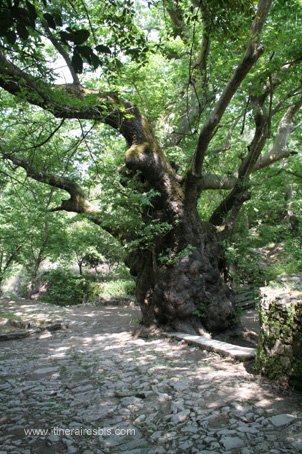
179 282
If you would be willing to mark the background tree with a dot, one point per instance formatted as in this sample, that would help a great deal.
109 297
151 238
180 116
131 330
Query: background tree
30 234
85 247
208 119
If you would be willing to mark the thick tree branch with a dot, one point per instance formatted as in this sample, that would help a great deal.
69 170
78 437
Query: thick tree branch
252 162
202 60
213 181
279 149
253 52
239 194
78 201
72 101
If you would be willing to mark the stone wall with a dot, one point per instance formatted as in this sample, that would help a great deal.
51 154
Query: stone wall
279 353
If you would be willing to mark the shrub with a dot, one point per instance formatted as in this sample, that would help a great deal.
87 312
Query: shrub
64 288
119 287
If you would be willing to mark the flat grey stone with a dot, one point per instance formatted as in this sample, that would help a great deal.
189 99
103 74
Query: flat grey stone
248 429
298 445
282 420
246 451
46 370
226 433
180 417
53 438
72 450
156 435
190 428
232 442
215 446
134 444
223 348
186 445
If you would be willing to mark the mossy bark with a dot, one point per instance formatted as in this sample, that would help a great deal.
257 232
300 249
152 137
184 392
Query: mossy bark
179 283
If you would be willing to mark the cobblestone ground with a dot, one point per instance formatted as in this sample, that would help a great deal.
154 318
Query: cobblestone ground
111 393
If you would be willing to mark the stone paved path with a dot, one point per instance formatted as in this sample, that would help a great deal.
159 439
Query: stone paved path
132 395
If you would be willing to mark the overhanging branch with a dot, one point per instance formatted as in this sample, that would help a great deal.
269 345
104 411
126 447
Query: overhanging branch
77 202
73 101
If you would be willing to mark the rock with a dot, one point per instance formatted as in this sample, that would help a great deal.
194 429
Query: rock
158 388
180 417
156 435
190 428
185 445
53 438
298 445
279 353
46 370
230 443
164 397
248 429
282 420
177 406
139 419
72 450
67 442
226 433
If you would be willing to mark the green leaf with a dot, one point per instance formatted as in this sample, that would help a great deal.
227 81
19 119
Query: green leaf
80 36
5 24
50 20
22 30
77 62
95 61
11 37
85 51
65 36
103 49
58 19
32 13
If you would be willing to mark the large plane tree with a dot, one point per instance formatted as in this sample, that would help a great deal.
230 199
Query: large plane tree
204 92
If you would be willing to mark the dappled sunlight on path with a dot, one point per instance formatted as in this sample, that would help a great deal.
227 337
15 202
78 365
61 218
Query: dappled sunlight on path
162 395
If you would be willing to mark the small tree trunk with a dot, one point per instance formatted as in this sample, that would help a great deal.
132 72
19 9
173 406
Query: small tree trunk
1 282
289 216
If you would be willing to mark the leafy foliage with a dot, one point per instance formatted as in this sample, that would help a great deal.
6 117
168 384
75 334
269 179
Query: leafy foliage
150 54
65 288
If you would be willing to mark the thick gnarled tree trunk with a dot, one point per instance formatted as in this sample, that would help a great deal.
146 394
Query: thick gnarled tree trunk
179 283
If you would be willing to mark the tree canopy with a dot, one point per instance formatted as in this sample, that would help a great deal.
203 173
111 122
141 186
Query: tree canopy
152 115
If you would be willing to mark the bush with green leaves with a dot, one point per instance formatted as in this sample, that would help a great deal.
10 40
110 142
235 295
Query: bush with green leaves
118 288
64 288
